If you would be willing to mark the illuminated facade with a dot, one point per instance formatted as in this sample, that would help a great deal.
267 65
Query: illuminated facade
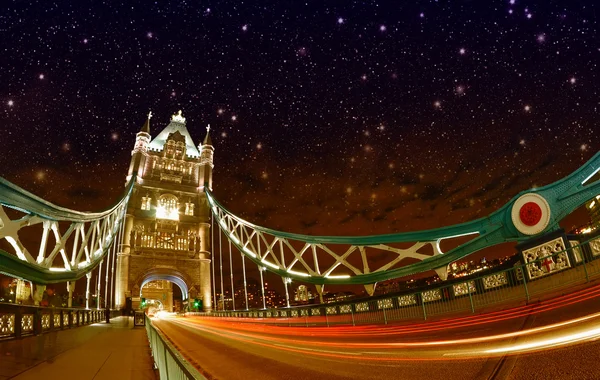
593 208
167 229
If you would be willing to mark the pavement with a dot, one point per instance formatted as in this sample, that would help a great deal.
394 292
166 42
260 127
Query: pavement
98 351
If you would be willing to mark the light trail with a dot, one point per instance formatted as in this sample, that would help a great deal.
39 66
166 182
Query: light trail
372 330
379 344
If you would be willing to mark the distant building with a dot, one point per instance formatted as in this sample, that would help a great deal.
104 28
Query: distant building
301 294
593 208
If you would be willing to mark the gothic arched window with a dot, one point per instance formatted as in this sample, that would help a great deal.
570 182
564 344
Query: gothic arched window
168 207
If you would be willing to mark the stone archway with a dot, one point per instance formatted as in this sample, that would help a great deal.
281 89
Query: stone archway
169 277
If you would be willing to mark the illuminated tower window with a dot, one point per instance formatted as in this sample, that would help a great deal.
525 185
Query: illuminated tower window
146 203
189 209
167 208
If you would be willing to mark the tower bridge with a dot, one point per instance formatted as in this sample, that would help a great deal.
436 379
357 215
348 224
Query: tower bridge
160 235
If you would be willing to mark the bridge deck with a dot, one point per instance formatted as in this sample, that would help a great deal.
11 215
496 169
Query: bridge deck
98 351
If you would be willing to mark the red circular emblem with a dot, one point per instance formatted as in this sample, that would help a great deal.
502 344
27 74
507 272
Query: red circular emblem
530 213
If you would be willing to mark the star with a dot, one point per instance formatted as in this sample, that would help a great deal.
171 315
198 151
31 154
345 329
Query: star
41 76
572 80
527 108
149 35
541 38
382 28
233 118
10 103
437 104
340 20
114 136
244 27
462 51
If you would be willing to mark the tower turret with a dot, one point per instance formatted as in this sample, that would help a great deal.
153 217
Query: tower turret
206 161
140 150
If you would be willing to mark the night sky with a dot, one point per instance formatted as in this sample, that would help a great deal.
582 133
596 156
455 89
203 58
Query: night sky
328 117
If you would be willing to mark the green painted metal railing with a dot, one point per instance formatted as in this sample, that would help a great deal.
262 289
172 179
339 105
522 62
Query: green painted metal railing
562 198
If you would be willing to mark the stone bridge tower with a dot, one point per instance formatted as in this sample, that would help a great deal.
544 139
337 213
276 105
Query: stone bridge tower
167 227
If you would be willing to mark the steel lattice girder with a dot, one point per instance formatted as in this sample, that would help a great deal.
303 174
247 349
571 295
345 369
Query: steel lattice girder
92 236
560 198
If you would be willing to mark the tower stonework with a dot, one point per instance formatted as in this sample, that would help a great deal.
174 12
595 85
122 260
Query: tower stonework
167 226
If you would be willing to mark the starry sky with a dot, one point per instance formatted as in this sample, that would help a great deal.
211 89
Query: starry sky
328 117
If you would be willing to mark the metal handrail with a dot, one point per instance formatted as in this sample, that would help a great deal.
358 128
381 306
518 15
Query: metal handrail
167 359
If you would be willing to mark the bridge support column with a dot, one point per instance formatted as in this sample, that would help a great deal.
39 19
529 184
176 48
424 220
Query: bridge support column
370 288
205 257
37 293
98 291
286 281
70 289
320 292
87 289
442 273
262 286
122 281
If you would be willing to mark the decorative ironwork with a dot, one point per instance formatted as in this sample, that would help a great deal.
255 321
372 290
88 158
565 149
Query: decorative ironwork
495 280
363 306
315 311
26 323
344 309
546 258
386 303
45 321
464 288
407 300
7 324
297 256
577 252
56 321
432 295
595 247
331 310
71 244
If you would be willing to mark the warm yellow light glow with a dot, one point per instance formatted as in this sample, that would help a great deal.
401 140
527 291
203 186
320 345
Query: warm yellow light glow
162 213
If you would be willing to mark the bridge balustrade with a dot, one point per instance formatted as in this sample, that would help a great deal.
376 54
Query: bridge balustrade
17 321
169 362
463 295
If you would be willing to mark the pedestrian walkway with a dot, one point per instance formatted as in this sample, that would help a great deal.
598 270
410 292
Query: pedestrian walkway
98 351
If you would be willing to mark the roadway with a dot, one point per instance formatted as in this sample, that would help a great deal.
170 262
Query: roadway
556 339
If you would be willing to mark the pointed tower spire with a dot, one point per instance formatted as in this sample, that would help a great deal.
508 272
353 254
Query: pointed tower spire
206 161
207 140
146 126
140 151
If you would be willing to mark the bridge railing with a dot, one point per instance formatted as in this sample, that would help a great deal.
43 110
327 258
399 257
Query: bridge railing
169 362
18 321
521 284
